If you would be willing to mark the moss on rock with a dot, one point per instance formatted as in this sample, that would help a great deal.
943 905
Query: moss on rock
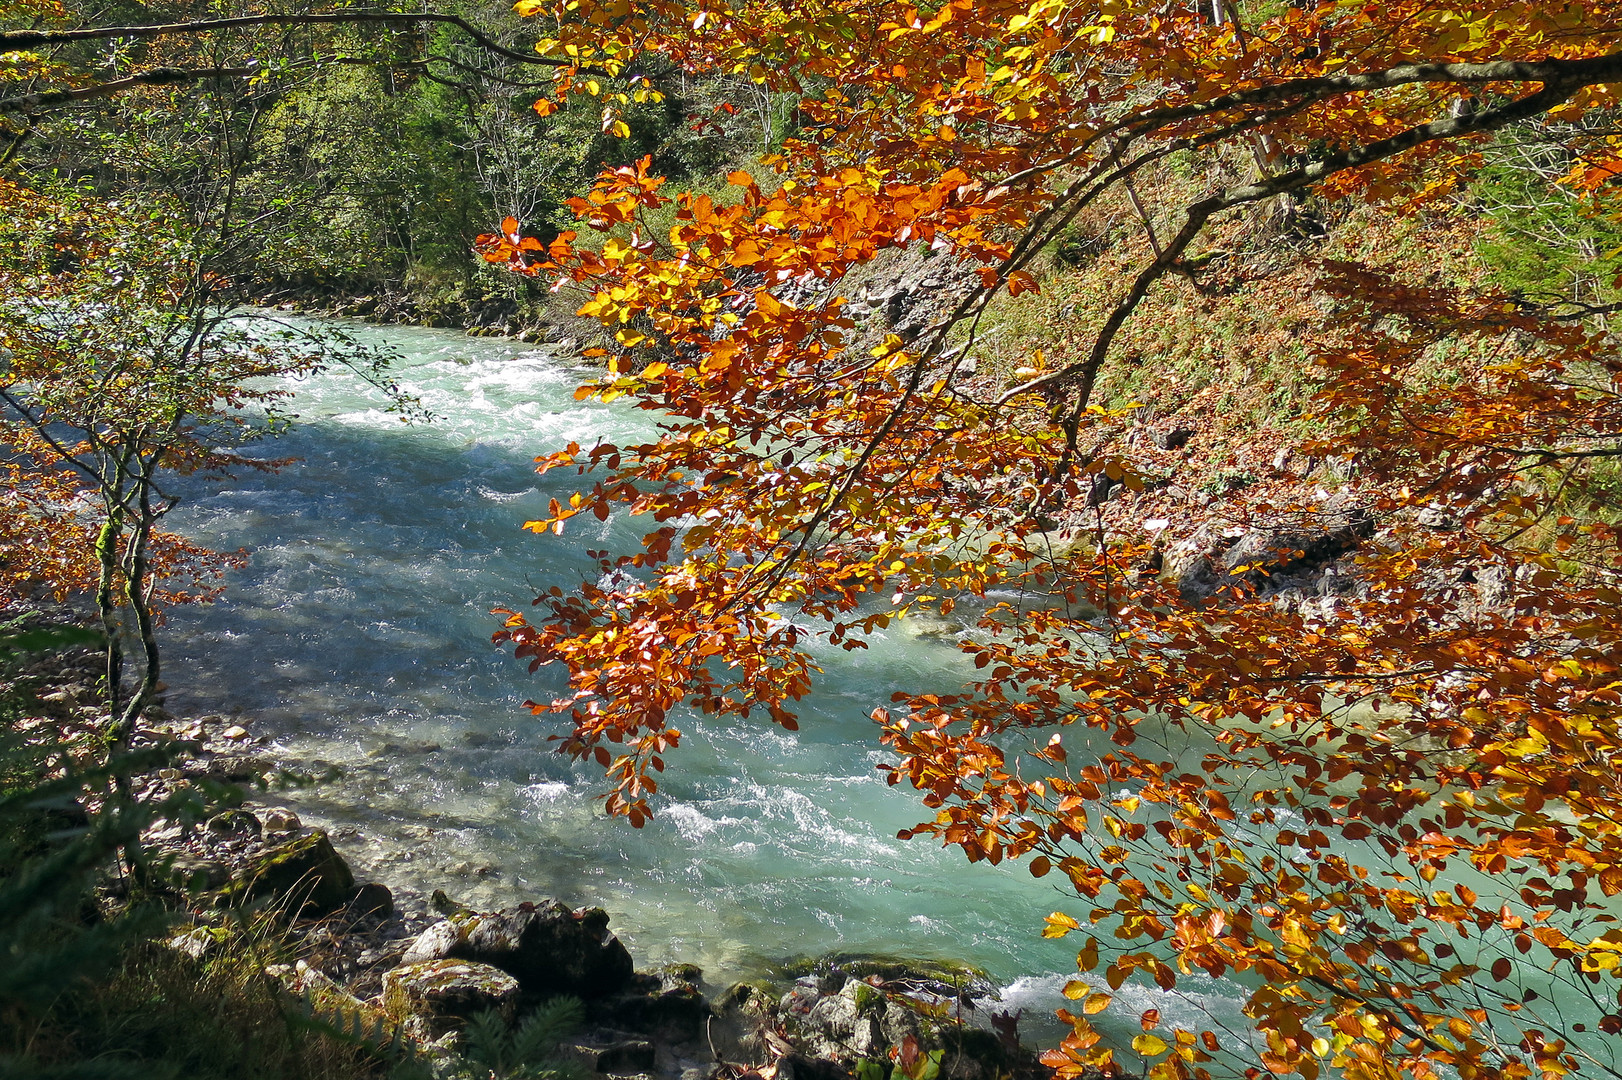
446 993
304 873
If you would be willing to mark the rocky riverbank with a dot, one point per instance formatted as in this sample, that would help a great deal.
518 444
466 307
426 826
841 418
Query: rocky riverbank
393 960
474 311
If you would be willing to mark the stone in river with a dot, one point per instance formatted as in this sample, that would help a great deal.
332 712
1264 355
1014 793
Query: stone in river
547 947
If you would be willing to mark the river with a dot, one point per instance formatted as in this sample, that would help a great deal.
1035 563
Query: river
357 638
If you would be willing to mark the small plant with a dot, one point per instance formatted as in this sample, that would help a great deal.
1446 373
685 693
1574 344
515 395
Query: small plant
912 1063
492 1051
1228 481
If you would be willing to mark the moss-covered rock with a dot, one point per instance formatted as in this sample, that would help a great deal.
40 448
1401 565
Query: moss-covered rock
444 994
665 1003
744 1013
940 977
235 823
305 873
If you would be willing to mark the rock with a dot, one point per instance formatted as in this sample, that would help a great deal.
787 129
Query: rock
196 943
679 977
441 902
1099 489
665 1003
547 947
617 1057
306 873
446 993
801 998
1173 438
971 1053
435 943
235 733
712 1071
1434 518
1206 561
399 749
193 873
372 900
940 978
847 1026
281 821
234 823
743 1015
800 1067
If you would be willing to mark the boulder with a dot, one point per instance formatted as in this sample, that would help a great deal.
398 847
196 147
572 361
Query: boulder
304 874
1206 560
856 1008
743 1016
547 947
444 994
372 901
666 1003
847 1026
941 978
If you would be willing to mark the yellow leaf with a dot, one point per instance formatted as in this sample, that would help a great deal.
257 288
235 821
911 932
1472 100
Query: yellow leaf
1059 924
1150 1045
1096 1003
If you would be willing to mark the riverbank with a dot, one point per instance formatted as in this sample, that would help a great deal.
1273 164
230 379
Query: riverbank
476 311
422 966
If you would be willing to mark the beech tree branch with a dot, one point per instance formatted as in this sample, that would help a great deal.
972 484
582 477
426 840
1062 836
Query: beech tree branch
163 76
31 39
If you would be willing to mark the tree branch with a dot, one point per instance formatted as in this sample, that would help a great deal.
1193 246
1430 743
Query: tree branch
163 76
29 39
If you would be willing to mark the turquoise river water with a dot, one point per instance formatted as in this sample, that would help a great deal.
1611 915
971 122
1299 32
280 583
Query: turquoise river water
358 636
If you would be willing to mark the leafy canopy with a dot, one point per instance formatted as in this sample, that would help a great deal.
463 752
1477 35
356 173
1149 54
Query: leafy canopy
1393 818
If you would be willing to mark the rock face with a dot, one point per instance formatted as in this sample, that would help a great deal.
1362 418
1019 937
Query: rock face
304 873
666 1004
546 947
743 1015
1293 554
444 994
866 1008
